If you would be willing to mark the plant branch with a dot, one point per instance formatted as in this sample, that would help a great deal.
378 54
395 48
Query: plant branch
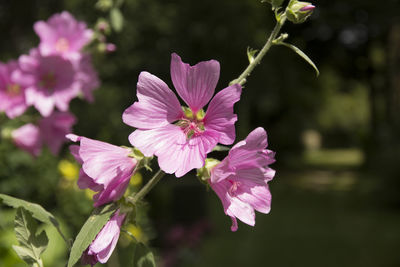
242 78
146 189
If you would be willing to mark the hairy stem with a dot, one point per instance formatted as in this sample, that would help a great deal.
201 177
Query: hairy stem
242 78
146 189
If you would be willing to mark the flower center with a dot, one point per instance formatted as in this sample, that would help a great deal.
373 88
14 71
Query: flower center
192 124
62 45
48 81
13 89
234 187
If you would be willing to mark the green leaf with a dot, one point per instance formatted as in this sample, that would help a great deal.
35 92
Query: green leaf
143 256
89 231
37 211
31 245
300 53
251 53
116 19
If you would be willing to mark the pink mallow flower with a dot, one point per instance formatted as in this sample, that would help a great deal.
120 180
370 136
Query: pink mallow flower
12 97
54 128
50 131
27 137
62 35
86 76
182 137
240 180
50 81
104 244
106 168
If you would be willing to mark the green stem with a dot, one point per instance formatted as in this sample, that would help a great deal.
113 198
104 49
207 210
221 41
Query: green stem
146 189
242 78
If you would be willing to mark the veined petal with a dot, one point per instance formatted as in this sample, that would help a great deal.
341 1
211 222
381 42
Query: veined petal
176 153
220 117
251 151
194 84
105 162
157 106
258 196
112 192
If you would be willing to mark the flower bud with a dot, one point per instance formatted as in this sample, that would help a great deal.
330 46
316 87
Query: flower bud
298 12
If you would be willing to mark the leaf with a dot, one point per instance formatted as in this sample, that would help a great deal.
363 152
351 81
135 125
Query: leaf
31 245
143 256
251 53
116 19
301 53
37 211
89 231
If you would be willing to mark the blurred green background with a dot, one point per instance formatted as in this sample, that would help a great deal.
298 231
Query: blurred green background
335 194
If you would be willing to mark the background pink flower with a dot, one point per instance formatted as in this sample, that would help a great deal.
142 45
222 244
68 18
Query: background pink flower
240 180
54 128
181 140
62 35
50 81
28 138
12 97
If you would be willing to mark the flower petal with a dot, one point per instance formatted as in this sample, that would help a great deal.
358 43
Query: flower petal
157 106
105 162
194 84
220 117
176 153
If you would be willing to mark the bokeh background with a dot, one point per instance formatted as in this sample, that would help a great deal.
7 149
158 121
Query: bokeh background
336 198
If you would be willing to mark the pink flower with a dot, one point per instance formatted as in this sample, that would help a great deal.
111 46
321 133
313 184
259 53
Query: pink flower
50 131
62 35
181 139
28 138
240 180
12 97
50 81
86 76
104 244
106 168
54 128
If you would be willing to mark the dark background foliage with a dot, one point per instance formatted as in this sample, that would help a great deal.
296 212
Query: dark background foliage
335 195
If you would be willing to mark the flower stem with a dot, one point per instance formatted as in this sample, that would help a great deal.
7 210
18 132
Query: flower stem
242 78
146 189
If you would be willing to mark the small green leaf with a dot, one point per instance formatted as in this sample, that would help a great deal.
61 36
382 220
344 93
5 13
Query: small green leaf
300 53
143 256
116 19
37 211
89 231
251 53
31 244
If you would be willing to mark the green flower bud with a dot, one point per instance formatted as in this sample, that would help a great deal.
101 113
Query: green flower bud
298 12
204 173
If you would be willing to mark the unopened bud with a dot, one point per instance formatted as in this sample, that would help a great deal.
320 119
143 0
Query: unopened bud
307 8
298 12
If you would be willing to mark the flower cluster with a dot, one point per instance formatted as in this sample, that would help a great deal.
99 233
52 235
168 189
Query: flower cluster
180 137
48 78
